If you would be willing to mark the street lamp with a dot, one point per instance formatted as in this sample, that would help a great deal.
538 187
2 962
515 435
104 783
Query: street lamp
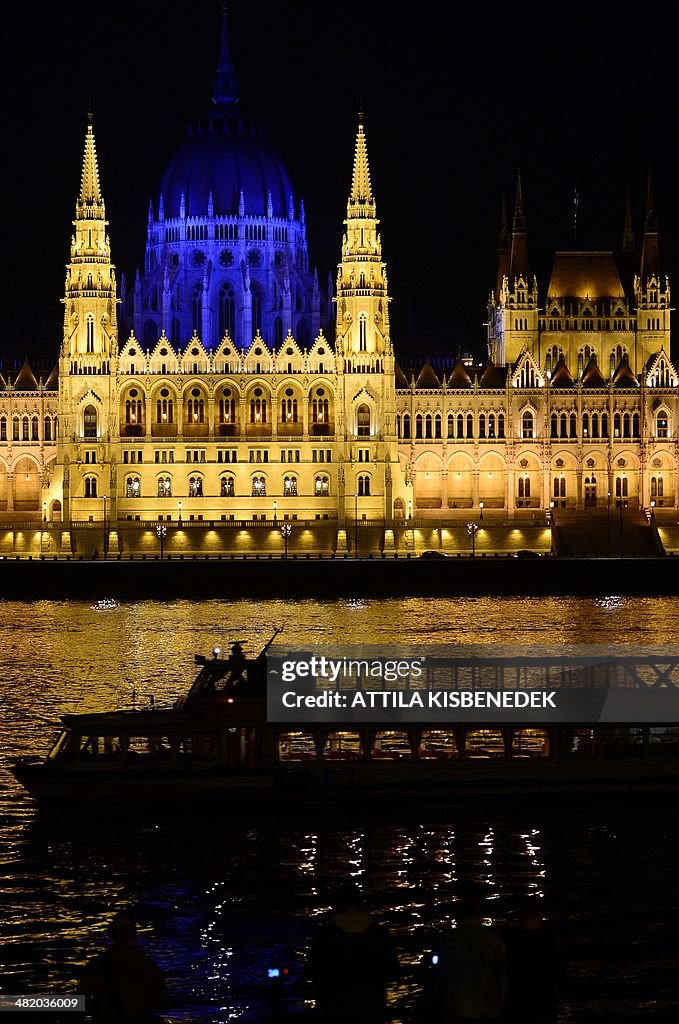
179 504
480 510
472 530
44 511
652 510
356 524
551 527
275 506
105 534
286 530
161 532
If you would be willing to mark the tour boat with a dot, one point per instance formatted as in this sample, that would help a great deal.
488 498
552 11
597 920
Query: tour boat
216 741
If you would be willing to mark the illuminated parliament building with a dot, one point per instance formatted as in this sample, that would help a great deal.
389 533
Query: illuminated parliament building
228 388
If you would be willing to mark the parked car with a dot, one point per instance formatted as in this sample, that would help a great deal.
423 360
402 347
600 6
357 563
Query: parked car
525 553
434 553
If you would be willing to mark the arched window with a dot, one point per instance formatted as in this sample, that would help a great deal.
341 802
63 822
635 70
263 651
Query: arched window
427 426
621 487
635 425
418 425
527 425
362 333
3 427
165 410
89 325
585 425
196 410
257 302
258 410
560 486
524 486
289 409
451 425
133 411
90 486
47 429
491 425
321 486
227 487
90 421
164 487
661 424
364 486
319 410
470 425
227 410
15 428
133 487
554 425
227 319
258 487
25 429
363 421
195 487
290 487
34 428
406 427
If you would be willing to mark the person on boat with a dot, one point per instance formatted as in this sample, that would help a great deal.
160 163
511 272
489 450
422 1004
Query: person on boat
470 979
352 960
534 967
124 985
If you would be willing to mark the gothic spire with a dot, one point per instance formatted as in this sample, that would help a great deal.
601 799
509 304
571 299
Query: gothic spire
518 263
361 191
90 202
650 252
225 83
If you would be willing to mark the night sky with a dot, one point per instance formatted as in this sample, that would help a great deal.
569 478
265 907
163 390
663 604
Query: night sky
454 101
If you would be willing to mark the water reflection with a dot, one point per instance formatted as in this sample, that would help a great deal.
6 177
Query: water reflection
221 902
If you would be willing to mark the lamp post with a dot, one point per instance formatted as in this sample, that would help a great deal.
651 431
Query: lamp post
480 510
275 508
551 527
286 530
608 524
652 511
44 511
105 533
161 532
356 524
472 530
179 505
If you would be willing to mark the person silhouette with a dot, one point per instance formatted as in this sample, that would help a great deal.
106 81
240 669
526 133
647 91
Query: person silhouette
534 967
124 985
470 979
352 960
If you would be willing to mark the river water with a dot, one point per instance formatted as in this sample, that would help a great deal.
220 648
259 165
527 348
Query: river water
220 901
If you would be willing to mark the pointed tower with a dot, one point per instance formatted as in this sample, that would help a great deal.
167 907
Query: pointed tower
651 291
365 359
89 348
513 309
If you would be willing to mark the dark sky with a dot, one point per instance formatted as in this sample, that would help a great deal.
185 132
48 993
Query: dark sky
454 101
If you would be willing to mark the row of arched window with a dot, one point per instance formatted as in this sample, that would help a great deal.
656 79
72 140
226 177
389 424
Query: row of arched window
562 425
227 486
27 428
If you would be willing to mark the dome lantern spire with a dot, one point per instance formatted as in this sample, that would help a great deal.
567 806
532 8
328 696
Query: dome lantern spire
225 83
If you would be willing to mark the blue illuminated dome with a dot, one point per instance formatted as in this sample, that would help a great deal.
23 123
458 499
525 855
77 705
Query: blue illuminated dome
225 159
226 257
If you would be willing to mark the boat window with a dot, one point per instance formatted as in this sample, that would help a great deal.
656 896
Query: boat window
484 743
296 746
530 743
88 747
343 746
391 746
622 742
663 740
111 748
200 747
578 742
437 743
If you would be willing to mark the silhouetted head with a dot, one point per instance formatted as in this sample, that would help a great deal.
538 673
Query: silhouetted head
348 897
123 927
471 909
